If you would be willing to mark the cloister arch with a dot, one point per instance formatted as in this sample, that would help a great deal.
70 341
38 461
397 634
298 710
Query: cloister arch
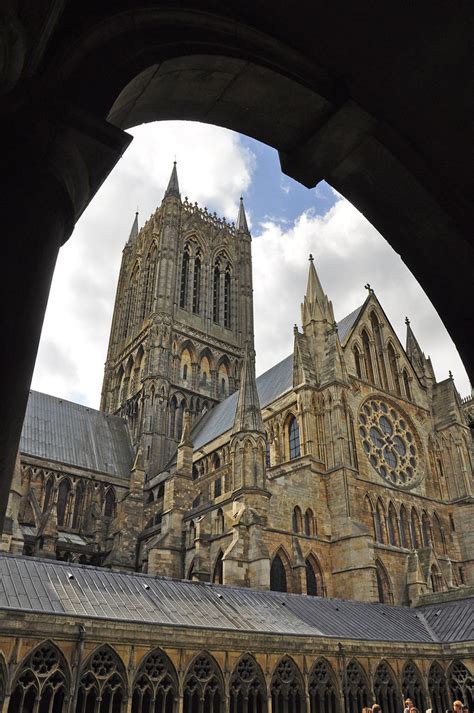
386 689
280 572
356 689
412 685
461 683
287 688
203 686
323 688
42 682
103 682
247 687
155 687
437 688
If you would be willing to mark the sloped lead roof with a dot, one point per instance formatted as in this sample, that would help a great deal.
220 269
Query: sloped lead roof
63 431
31 584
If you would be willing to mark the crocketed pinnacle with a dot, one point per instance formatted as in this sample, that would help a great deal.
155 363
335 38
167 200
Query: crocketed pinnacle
173 185
242 218
134 231
248 416
413 349
316 305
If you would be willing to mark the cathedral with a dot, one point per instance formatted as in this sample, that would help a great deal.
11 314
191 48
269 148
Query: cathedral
325 506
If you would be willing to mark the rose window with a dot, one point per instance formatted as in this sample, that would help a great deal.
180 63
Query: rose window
389 442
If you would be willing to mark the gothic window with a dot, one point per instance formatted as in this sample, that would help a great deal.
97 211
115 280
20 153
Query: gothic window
352 442
102 687
278 581
173 409
406 382
367 357
183 289
426 529
384 589
296 520
392 359
385 689
412 686
155 689
437 688
267 454
219 522
223 380
109 503
379 518
204 373
78 504
379 349
461 684
180 418
217 487
41 685
287 688
436 579
357 361
216 293
309 524
47 494
227 299
63 502
313 578
218 574
392 526
203 689
415 529
293 438
322 689
356 690
247 687
197 285
438 532
404 540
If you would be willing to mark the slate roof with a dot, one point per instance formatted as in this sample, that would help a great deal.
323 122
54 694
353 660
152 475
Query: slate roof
32 584
345 325
451 621
70 433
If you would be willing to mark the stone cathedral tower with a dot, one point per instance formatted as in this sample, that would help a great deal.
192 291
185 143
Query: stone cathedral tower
178 282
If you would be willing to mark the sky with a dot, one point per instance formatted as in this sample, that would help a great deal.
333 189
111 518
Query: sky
287 222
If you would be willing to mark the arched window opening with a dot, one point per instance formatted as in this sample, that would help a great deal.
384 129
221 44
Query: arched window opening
183 291
414 529
204 373
78 505
219 522
385 689
216 461
287 688
461 683
436 579
247 687
109 504
438 689
309 523
356 691
278 581
63 502
102 687
426 529
216 294
223 380
412 687
155 688
406 383
197 285
150 277
185 372
322 689
313 578
267 454
404 541
296 520
357 361
217 487
203 689
367 357
47 494
438 535
173 409
218 574
227 299
379 349
392 358
379 518
393 537
384 589
179 419
41 685
293 438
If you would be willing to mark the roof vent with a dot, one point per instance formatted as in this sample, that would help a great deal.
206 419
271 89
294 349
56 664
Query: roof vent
146 586
220 596
70 575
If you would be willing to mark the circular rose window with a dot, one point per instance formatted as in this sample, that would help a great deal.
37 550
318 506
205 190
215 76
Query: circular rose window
389 441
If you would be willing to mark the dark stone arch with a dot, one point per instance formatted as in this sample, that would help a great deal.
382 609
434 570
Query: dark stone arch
461 683
287 688
323 688
386 690
217 572
412 685
356 688
437 688
384 585
103 682
314 576
155 687
42 678
203 686
280 572
247 687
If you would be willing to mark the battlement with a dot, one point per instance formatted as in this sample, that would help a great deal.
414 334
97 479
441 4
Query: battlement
207 217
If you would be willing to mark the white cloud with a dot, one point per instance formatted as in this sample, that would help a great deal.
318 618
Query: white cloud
214 168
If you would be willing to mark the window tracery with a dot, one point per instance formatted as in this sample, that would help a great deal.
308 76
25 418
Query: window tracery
42 683
247 687
155 689
385 689
437 688
461 683
203 691
102 686
322 689
293 438
183 288
412 686
287 689
355 690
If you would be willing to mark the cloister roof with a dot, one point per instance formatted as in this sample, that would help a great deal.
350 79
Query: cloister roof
49 587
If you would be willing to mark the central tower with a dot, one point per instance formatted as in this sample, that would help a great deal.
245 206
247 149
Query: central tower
182 317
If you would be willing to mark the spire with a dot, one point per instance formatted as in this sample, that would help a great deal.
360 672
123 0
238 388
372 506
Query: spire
316 305
173 185
242 218
133 231
413 349
248 416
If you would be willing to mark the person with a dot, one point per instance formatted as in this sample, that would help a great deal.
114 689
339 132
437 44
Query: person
457 706
367 709
408 705
465 709
376 708
414 710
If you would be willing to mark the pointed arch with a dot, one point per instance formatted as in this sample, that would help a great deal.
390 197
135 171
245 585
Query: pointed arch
78 504
386 690
356 688
314 576
149 281
185 365
48 492
377 332
426 529
293 437
436 579
438 535
404 528
42 682
247 686
384 585
287 688
297 520
392 360
223 377
309 523
228 296
406 384
184 279
110 502
379 522
63 504
415 531
218 569
412 686
437 688
197 283
323 688
357 360
216 291
203 684
155 686
280 572
461 683
392 526
369 370
103 682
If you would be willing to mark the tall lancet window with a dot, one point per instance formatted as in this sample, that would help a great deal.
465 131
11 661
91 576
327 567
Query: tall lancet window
150 276
227 299
184 278
197 285
216 293
392 357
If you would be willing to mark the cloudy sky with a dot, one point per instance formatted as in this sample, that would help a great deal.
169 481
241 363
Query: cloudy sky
287 221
